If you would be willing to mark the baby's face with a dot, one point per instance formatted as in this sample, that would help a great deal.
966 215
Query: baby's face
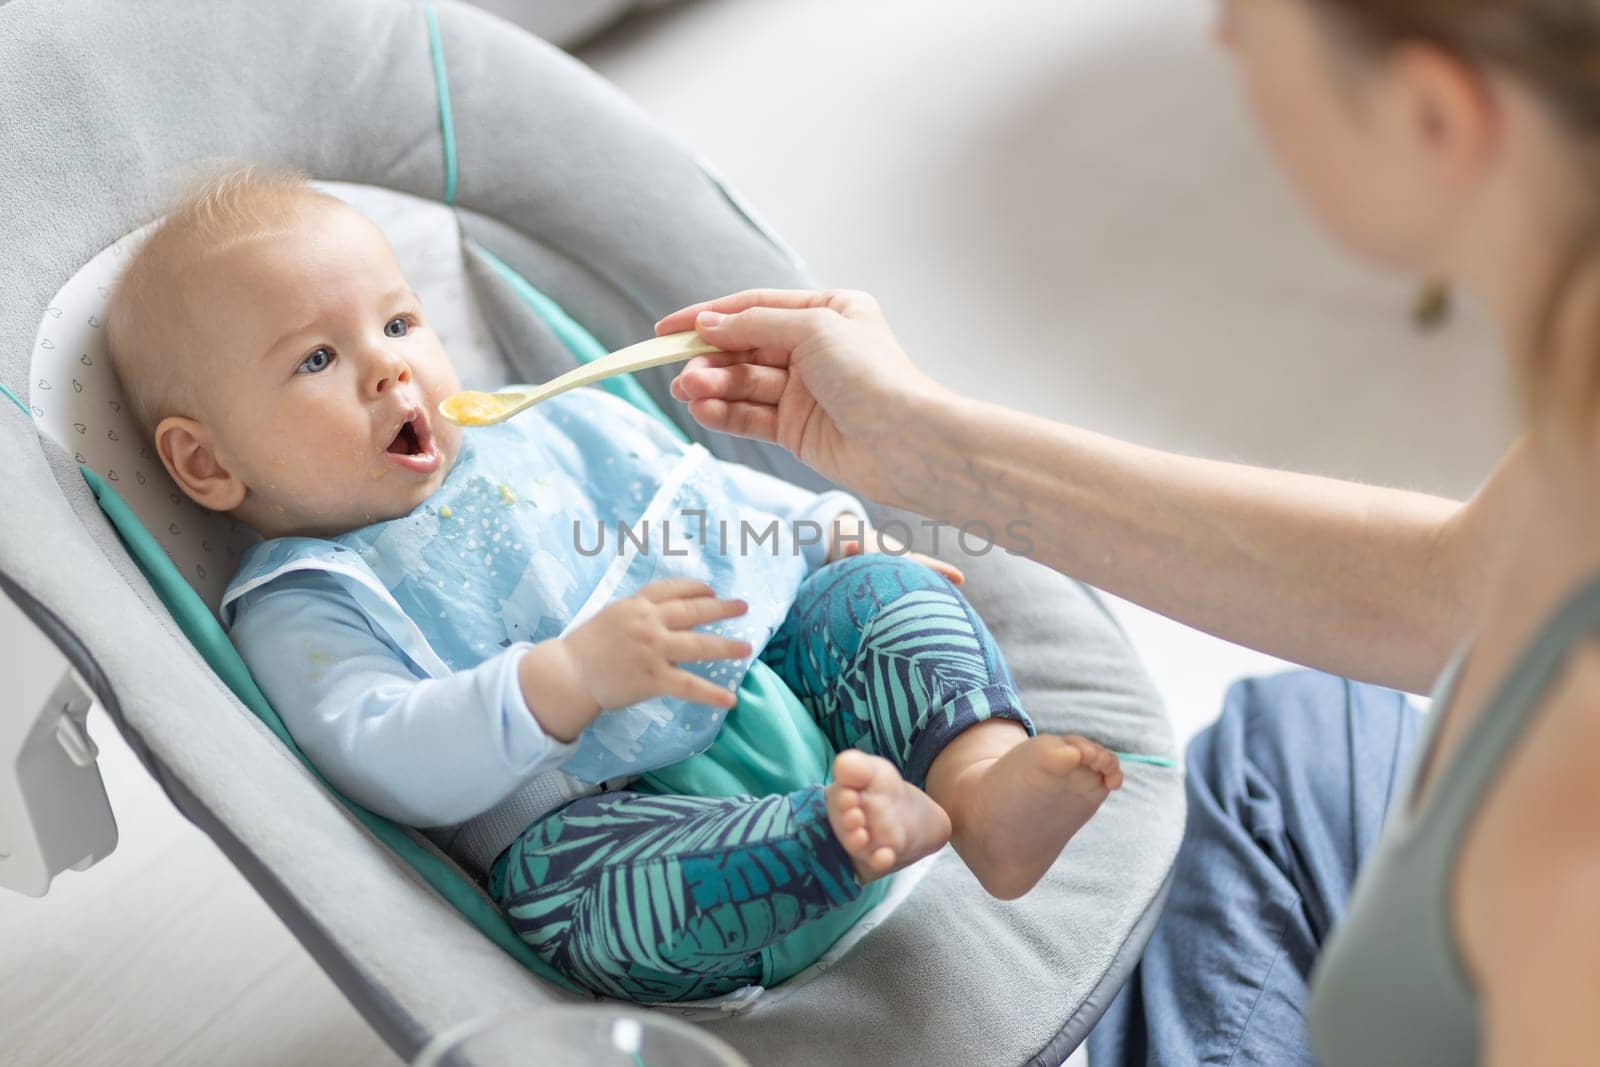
327 378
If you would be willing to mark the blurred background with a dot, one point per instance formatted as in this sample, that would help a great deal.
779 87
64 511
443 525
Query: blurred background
1061 207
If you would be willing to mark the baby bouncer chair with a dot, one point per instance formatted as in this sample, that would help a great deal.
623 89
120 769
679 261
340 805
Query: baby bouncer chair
543 219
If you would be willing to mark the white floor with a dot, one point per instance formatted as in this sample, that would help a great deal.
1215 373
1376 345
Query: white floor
1062 208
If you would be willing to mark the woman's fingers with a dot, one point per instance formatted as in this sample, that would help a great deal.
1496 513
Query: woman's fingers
742 419
717 359
681 683
697 365
741 381
766 331
684 318
702 648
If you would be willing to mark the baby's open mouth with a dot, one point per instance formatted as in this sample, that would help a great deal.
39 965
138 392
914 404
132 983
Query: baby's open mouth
406 442
412 444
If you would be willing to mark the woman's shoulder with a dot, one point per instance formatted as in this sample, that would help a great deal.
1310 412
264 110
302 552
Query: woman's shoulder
1528 880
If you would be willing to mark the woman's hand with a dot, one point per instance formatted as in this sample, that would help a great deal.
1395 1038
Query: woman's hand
1374 584
819 373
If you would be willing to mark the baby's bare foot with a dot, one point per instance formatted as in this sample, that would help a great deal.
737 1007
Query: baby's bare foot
1017 812
884 822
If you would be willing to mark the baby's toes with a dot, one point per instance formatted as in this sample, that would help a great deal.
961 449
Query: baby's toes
1110 768
881 860
848 818
850 815
854 841
1057 755
1095 757
854 769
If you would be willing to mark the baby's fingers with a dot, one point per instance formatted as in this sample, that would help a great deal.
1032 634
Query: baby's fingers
675 588
688 686
950 571
699 648
686 614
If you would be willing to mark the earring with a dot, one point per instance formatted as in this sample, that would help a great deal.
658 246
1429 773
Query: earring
1431 307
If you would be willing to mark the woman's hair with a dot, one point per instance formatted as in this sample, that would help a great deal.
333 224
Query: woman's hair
1552 47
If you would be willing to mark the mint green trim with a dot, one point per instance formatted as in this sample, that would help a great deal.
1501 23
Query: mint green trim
579 341
1153 761
447 125
203 630
16 401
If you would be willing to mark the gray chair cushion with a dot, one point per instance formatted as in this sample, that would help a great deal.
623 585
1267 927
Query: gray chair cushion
567 23
565 180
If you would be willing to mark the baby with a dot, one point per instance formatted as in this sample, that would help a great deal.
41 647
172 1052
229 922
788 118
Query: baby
600 734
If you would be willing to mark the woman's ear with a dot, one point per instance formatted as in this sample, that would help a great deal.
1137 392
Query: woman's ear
1451 111
187 451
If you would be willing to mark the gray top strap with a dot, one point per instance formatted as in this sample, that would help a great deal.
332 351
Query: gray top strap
1391 987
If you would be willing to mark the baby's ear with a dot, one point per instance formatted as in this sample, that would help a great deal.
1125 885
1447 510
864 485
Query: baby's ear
186 451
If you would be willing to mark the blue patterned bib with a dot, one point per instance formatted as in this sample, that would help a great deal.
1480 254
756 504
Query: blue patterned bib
542 522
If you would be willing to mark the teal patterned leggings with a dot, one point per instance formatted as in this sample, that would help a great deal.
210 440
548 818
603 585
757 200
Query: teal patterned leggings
668 898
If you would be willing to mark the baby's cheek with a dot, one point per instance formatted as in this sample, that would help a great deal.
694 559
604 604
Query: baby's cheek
449 435
328 443
327 464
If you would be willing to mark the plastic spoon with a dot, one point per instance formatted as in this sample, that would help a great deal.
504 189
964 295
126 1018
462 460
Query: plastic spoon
472 408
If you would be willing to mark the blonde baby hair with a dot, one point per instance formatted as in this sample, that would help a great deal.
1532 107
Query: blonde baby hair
147 313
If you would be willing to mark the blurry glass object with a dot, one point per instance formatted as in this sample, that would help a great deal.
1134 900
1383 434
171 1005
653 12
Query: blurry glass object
578 1037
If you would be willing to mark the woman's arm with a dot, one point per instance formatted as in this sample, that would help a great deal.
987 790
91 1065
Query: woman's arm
1365 582
1370 583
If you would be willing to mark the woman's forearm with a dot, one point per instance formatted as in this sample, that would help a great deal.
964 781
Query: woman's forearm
1370 583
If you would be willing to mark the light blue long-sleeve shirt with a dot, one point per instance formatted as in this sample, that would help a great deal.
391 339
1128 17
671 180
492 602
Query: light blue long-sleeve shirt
427 750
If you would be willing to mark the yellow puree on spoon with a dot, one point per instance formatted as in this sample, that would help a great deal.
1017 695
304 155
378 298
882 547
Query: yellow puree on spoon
475 409
472 408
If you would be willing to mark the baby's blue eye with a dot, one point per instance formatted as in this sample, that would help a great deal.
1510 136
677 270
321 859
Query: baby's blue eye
397 327
317 361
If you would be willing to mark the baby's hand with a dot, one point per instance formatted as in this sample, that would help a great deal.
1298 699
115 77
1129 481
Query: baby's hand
853 536
630 651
